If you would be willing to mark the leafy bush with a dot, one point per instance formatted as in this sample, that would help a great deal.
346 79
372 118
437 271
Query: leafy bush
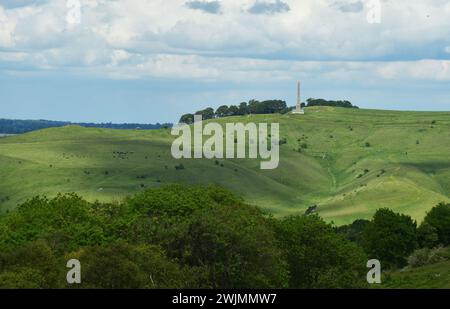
426 256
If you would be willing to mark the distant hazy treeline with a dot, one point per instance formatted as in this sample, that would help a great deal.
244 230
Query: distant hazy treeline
10 126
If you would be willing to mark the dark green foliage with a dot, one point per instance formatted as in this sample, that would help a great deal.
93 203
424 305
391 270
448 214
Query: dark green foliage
222 111
318 257
181 236
354 231
267 107
207 113
33 265
439 218
179 167
187 119
390 237
243 109
125 266
253 107
427 235
322 102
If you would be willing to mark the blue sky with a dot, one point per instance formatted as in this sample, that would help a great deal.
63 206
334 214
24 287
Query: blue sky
152 60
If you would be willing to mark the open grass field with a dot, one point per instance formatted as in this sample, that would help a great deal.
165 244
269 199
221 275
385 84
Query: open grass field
353 162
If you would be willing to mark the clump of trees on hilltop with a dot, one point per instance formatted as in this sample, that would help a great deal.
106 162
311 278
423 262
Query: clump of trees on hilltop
322 102
258 107
244 108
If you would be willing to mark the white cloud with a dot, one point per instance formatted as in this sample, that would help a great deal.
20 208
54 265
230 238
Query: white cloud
167 38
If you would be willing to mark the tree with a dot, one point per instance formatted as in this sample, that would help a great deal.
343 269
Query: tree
210 228
233 110
439 218
187 119
222 111
207 113
33 265
354 231
390 237
427 235
318 257
125 266
322 102
243 108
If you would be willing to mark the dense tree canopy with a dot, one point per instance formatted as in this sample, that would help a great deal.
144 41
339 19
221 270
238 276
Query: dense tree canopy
175 236
322 102
244 108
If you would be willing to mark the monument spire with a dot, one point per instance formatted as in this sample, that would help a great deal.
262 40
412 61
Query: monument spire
298 107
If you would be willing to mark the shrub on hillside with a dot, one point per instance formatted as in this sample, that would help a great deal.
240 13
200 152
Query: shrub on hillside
426 256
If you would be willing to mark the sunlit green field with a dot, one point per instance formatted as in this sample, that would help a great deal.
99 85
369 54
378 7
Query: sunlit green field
352 163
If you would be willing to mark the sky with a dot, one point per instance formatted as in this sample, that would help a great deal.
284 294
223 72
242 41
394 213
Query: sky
151 61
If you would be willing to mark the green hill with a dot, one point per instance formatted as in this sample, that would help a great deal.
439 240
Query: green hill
352 163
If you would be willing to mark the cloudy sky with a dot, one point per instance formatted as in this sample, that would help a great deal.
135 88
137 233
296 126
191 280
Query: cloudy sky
152 60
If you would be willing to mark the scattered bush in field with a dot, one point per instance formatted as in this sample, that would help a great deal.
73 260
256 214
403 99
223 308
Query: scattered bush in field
419 258
282 141
179 167
367 144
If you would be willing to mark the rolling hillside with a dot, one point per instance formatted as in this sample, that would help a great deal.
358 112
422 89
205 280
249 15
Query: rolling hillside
351 163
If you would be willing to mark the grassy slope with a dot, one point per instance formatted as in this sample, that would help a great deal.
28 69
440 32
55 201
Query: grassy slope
417 176
434 276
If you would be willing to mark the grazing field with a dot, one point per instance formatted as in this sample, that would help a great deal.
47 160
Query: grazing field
348 162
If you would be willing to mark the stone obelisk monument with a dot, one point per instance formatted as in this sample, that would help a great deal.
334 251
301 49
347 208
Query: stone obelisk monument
298 107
